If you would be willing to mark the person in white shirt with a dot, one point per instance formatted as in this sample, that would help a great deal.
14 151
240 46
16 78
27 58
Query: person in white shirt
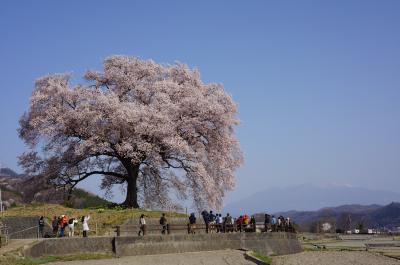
142 224
71 226
85 226
220 219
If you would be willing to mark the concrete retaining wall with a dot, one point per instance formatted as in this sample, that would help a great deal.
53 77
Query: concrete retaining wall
72 245
265 243
24 227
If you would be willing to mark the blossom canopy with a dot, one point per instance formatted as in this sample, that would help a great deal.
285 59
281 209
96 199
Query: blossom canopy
156 128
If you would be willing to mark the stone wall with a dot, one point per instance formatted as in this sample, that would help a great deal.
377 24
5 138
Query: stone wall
265 243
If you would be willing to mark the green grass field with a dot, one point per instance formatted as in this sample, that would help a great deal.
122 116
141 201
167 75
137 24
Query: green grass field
263 258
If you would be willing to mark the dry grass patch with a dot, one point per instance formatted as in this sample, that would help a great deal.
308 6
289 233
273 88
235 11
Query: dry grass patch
102 218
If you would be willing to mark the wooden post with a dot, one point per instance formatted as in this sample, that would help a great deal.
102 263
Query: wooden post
118 230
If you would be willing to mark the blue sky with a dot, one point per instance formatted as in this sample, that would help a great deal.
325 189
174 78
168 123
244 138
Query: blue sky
317 82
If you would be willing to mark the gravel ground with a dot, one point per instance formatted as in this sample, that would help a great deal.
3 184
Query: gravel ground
334 258
223 257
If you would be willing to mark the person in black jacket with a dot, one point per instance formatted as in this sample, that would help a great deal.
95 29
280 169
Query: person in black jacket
253 223
41 226
205 218
54 225
164 224
192 224
267 222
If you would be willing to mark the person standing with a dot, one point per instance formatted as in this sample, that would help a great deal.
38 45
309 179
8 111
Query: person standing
142 225
41 226
211 222
239 223
229 223
244 220
63 224
211 217
206 219
219 223
71 226
192 223
280 223
85 225
253 223
267 222
54 225
273 223
164 224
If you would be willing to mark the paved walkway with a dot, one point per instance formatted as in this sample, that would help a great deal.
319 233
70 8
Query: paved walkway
223 257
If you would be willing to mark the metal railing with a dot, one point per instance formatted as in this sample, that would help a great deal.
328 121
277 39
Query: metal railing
4 233
36 227
23 230
207 228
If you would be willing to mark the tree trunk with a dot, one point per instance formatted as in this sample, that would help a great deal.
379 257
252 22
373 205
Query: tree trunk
131 191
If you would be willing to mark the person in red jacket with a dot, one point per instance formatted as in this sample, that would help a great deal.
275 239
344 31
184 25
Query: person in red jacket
63 224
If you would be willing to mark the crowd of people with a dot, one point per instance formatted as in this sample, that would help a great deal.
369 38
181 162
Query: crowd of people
217 223
214 223
280 224
63 226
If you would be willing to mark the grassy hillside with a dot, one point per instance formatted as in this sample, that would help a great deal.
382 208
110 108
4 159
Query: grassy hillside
372 216
103 218
85 199
21 190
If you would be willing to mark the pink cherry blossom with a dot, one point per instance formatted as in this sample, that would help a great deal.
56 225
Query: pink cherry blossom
156 128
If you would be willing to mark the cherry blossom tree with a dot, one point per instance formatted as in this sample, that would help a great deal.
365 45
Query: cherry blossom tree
156 128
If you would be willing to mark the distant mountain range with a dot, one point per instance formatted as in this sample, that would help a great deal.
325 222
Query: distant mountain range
349 217
309 198
5 171
21 189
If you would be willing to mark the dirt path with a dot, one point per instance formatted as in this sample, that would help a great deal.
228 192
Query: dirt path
15 244
223 257
334 258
